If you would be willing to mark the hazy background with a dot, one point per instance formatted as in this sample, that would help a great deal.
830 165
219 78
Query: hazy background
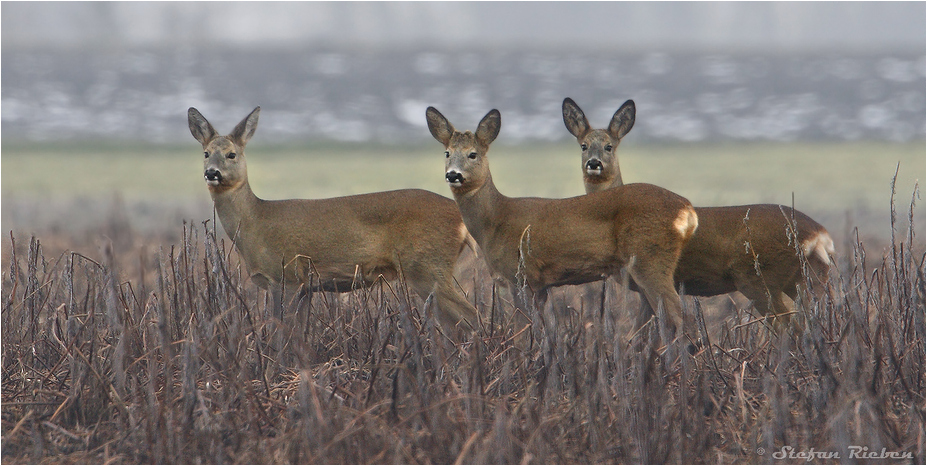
366 71
737 102
769 26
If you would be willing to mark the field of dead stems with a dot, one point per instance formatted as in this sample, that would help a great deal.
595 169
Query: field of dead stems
170 355
156 348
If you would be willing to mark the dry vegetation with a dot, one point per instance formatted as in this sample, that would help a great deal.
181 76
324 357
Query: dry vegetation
160 353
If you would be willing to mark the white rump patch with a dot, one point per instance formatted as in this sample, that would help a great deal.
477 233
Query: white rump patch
821 245
686 222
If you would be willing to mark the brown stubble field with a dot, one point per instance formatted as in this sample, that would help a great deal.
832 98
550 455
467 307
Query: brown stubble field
130 333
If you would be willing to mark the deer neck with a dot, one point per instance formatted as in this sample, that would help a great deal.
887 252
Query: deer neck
236 207
617 181
480 209
596 184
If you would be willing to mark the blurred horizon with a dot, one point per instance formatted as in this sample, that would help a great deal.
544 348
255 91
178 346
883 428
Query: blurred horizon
366 71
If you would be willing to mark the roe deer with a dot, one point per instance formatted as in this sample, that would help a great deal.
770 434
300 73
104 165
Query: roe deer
553 242
343 241
740 248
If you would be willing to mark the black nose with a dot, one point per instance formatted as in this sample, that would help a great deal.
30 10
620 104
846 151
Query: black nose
213 175
593 164
454 177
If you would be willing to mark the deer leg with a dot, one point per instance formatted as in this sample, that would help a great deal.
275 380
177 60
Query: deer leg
804 291
658 289
593 297
274 288
545 306
276 294
454 313
644 314
769 302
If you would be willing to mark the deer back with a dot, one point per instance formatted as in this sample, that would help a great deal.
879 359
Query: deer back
555 241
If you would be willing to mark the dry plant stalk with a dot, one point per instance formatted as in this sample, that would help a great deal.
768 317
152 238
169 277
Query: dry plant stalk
200 372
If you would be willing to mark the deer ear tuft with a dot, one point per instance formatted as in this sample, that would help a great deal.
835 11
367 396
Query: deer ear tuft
623 120
440 128
489 127
246 128
200 127
574 119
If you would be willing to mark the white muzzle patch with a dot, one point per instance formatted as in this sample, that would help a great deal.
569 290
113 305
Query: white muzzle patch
454 178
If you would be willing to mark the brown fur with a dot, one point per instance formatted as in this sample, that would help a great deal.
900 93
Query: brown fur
717 259
566 241
345 241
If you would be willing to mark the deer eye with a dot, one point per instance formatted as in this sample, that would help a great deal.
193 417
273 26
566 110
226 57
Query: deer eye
231 155
206 154
472 156
584 146
608 148
447 154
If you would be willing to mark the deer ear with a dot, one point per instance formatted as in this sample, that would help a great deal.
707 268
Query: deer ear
574 119
623 120
488 129
246 128
199 127
440 128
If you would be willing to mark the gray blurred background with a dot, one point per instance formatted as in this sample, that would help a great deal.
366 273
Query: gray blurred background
345 71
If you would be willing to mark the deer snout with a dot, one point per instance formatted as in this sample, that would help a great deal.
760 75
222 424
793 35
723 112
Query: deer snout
213 176
454 177
594 166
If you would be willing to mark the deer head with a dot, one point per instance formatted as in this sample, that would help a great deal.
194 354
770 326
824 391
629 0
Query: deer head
466 166
224 166
600 147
